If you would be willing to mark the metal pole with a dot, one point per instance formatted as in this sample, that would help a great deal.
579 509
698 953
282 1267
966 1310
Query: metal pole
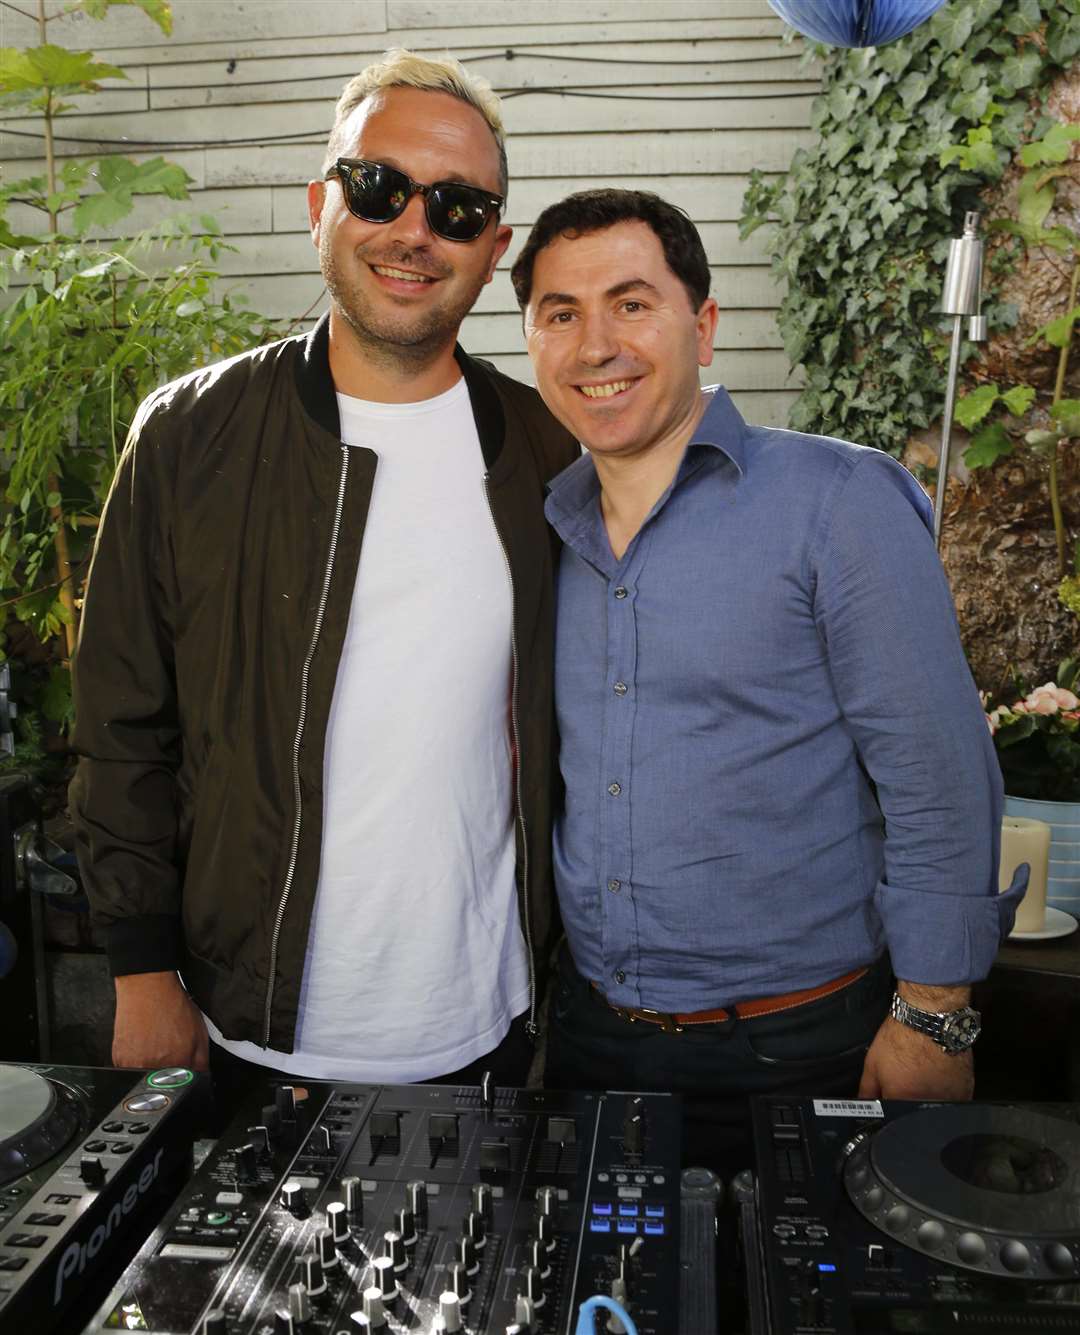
946 426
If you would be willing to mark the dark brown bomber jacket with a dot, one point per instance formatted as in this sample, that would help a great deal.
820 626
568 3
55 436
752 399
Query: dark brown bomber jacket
212 630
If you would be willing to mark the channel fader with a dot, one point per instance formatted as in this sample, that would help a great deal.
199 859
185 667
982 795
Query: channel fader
345 1208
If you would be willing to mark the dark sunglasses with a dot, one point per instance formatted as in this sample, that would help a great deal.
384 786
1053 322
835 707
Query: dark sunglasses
378 193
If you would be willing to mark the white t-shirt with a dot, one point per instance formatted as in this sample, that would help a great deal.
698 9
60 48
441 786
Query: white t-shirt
416 963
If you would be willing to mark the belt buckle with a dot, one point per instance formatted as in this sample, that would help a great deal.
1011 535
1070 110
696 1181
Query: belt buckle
665 1020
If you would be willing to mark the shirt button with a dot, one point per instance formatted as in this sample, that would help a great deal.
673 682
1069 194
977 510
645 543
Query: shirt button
614 886
620 976
620 592
620 688
614 789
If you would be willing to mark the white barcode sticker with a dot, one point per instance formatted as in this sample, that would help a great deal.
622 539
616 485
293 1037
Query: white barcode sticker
848 1108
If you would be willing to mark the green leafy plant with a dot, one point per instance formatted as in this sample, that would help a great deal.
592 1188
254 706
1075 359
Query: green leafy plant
87 329
1037 737
1043 163
859 225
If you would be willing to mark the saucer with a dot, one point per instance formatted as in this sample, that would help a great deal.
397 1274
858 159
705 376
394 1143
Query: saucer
1058 923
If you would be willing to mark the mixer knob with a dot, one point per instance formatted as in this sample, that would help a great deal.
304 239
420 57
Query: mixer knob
537 1255
524 1313
285 1103
615 1323
547 1201
385 1279
314 1277
467 1256
283 1322
482 1200
545 1232
271 1121
450 1312
324 1245
299 1304
394 1248
337 1217
247 1168
354 1199
457 1281
416 1200
374 1313
406 1226
293 1198
533 1285
634 1126
475 1229
215 1323
487 1090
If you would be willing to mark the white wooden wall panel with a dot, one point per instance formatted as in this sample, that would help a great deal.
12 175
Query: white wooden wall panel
684 97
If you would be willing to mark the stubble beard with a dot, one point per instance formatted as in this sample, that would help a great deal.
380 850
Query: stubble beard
405 339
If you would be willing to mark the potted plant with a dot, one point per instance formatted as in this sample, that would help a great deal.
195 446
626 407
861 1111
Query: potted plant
1037 736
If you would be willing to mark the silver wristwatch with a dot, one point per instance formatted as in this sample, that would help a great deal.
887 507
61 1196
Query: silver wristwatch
953 1031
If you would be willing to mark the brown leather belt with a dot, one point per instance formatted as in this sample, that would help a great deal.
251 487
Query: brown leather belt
674 1022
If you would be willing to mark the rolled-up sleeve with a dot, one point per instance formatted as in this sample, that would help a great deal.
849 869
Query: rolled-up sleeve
886 614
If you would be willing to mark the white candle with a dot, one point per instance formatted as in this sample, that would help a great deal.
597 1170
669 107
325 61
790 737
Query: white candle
1027 841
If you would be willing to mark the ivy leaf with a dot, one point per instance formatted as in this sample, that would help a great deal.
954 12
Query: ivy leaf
971 105
1058 332
1018 399
1062 38
913 87
952 26
1053 147
987 446
1025 18
838 145
1034 200
1020 70
973 407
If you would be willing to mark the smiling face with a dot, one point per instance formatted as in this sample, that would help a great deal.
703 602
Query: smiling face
401 289
615 341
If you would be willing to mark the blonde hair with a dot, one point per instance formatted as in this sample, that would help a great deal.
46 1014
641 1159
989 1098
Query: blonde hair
405 69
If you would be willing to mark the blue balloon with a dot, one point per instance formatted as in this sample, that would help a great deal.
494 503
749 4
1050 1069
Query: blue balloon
855 22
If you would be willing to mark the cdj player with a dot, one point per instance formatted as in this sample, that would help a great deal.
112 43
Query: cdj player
332 1209
872 1218
88 1160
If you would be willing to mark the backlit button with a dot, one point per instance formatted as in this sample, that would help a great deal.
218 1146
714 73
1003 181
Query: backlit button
614 886
620 975
614 789
620 688
620 592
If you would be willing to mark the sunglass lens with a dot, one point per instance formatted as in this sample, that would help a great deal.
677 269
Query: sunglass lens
376 193
457 212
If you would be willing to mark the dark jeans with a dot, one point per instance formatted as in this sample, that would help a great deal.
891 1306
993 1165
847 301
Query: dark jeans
234 1077
815 1049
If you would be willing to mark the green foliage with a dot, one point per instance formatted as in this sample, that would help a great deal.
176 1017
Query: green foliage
1037 736
87 329
859 225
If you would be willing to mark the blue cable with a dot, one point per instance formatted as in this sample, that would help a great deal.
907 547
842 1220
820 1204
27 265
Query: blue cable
586 1322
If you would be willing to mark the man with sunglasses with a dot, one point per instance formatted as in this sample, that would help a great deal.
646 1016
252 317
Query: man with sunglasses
313 686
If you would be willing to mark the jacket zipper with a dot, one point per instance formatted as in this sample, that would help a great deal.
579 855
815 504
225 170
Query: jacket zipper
298 739
530 1027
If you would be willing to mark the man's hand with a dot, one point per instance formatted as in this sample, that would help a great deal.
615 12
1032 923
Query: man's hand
157 1024
904 1064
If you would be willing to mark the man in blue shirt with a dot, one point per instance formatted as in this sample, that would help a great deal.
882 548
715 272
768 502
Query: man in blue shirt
780 786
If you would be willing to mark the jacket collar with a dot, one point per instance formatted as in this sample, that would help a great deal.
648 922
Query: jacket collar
319 397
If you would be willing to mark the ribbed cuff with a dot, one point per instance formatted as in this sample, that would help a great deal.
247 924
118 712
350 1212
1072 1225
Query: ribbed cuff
939 939
146 944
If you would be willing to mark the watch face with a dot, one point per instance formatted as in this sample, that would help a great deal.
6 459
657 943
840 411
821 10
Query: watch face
960 1029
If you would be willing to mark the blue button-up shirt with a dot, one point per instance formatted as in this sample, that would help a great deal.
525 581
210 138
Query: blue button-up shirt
776 761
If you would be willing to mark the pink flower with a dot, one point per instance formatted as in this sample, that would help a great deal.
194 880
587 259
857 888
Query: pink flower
1050 698
1018 708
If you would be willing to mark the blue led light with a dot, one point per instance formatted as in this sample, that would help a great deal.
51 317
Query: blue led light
826 1266
654 1228
600 1225
628 1211
627 1226
654 1211
601 1207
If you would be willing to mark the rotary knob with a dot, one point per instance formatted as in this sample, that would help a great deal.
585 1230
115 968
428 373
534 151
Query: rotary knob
545 1232
416 1200
405 1224
483 1201
537 1256
314 1276
385 1279
247 1166
547 1201
524 1313
467 1256
285 1103
337 1218
475 1229
373 1312
354 1199
450 1312
292 1197
324 1245
457 1282
394 1248
533 1286
299 1304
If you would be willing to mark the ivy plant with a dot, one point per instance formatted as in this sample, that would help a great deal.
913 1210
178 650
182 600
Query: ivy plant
860 223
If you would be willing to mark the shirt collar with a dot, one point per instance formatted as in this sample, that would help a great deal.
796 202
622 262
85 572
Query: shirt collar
572 492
